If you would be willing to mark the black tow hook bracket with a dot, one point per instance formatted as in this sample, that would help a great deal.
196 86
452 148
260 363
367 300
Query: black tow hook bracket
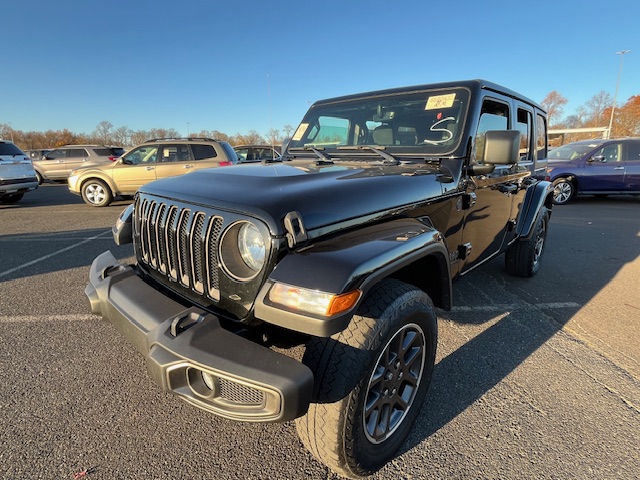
183 322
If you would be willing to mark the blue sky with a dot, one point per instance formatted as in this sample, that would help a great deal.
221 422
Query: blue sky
236 66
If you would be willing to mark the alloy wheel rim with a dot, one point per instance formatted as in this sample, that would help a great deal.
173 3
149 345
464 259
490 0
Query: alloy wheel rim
394 383
562 192
539 245
95 194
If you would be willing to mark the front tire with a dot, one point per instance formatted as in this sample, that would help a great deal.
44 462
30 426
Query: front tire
563 191
523 257
96 193
370 380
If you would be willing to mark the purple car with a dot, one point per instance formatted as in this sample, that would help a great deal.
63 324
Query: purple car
595 167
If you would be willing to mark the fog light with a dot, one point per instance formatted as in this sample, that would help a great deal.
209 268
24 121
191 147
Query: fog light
210 381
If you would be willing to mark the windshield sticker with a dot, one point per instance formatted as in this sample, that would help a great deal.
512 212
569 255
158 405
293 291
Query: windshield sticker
440 101
300 131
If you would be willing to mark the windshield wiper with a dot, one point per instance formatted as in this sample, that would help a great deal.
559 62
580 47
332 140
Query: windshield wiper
322 156
388 158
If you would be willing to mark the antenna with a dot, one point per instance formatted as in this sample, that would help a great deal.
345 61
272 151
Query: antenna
270 117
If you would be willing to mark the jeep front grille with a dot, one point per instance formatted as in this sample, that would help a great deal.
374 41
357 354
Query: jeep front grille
181 243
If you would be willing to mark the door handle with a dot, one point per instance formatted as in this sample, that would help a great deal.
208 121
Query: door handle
188 166
149 168
618 168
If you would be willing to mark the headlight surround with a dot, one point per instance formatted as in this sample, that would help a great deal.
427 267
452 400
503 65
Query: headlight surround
243 251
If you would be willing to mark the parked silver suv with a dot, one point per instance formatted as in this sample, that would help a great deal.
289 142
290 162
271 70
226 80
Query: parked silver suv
16 173
57 164
153 160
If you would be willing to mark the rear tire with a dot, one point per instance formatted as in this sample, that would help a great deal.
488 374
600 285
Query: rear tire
39 177
96 193
523 257
370 380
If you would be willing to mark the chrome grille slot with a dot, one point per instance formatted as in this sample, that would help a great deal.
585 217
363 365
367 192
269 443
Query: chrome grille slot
152 235
161 238
184 248
212 261
144 231
172 256
197 241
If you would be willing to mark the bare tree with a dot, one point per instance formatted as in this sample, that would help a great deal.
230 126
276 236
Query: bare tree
595 109
122 136
553 103
274 137
139 136
103 132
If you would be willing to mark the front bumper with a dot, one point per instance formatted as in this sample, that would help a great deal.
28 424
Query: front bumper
188 352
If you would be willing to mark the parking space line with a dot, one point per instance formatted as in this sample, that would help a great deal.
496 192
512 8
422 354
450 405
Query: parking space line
62 250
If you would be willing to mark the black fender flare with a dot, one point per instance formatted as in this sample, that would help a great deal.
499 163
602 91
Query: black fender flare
537 196
353 260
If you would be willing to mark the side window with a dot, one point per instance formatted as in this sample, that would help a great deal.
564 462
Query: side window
524 125
59 153
78 153
201 152
633 151
541 138
144 154
611 153
169 153
243 154
493 116
182 154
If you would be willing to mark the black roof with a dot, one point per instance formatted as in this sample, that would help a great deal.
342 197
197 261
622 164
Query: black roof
473 85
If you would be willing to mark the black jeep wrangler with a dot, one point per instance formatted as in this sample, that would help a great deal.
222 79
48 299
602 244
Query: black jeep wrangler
345 246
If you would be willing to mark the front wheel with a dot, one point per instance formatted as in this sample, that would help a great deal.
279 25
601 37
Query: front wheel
563 191
370 380
96 193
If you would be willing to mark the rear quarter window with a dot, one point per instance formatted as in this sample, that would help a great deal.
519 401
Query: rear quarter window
104 152
200 152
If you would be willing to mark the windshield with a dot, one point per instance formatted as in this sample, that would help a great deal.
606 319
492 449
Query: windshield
425 122
571 151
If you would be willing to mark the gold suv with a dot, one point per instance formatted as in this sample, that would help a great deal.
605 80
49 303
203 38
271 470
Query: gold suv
154 159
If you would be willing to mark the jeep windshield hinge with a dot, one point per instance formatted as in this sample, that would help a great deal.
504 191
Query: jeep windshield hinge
296 233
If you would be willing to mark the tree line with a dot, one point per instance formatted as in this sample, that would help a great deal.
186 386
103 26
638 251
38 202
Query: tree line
106 134
596 112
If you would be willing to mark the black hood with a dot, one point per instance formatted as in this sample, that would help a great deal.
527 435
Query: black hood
323 195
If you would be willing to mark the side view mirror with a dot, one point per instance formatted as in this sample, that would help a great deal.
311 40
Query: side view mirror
501 147
598 158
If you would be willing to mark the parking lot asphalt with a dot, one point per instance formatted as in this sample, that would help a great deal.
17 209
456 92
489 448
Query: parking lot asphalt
535 378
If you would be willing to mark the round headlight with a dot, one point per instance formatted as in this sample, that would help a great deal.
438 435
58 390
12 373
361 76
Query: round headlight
243 251
251 246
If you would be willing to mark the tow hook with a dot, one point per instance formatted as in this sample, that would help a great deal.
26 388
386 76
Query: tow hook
185 321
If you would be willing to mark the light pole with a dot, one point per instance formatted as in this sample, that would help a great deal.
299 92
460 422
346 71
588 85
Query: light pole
615 95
